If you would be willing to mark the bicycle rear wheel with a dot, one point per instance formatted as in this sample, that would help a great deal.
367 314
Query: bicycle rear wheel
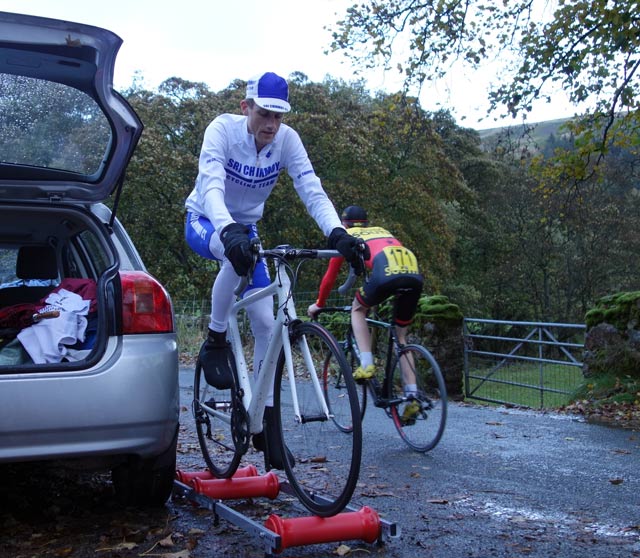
327 457
335 389
212 411
421 418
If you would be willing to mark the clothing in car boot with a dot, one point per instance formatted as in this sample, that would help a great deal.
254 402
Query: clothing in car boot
270 432
217 360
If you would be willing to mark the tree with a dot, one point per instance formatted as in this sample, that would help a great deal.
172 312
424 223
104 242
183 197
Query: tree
380 152
588 48
161 175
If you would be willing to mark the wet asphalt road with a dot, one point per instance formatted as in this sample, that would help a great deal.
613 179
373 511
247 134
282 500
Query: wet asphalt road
501 483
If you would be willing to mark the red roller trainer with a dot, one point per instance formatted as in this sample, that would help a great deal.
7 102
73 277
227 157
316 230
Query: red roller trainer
248 471
297 531
239 487
187 477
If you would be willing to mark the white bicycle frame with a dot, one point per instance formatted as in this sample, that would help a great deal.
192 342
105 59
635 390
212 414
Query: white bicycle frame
254 401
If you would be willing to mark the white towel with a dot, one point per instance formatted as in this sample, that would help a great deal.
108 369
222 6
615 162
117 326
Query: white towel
47 340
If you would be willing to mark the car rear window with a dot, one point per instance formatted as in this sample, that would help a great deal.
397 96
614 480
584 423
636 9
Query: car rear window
8 258
8 276
50 125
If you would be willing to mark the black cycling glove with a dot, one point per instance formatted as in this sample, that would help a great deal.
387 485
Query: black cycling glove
236 247
348 246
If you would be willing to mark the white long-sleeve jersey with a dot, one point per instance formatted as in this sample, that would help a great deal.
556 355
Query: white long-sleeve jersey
234 180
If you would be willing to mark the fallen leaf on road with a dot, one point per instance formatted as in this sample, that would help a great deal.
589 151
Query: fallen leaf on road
378 494
166 542
195 531
181 554
118 547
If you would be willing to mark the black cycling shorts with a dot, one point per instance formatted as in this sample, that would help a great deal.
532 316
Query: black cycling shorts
405 290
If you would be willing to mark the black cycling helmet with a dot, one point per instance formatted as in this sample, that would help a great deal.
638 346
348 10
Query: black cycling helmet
354 214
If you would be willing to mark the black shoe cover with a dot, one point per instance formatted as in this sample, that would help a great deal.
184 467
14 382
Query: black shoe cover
218 364
270 433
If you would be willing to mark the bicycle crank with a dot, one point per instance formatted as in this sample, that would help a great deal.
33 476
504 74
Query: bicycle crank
240 424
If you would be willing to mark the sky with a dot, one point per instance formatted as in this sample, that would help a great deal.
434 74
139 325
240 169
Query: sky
217 41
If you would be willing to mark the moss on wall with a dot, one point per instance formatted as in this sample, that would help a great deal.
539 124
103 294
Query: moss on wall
621 310
437 308
612 344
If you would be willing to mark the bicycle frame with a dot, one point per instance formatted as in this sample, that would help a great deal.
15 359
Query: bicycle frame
254 400
428 397
380 393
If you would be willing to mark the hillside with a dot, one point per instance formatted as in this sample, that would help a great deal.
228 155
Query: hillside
536 133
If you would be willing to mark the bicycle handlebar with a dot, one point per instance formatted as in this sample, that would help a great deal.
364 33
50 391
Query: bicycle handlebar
284 252
351 278
346 286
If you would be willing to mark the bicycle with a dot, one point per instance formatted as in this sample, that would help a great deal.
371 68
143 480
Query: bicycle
327 459
421 429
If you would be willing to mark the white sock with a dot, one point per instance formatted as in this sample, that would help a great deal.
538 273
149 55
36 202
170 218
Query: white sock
410 389
366 359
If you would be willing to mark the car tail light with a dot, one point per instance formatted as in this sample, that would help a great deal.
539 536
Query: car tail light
146 306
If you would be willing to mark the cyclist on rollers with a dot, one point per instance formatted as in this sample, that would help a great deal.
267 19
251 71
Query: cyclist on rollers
241 159
393 272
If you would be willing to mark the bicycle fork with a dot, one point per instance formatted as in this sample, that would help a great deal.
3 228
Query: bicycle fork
324 414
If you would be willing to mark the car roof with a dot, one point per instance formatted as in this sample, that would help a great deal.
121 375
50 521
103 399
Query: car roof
65 133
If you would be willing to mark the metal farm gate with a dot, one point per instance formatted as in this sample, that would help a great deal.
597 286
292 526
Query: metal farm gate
530 364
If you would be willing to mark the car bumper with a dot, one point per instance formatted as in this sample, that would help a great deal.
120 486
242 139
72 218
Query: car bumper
128 404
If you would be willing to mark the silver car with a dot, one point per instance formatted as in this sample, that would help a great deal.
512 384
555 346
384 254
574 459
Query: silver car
88 349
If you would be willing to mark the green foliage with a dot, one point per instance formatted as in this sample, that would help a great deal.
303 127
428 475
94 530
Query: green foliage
586 48
621 310
436 308
439 309
382 152
613 355
161 175
605 389
532 248
488 235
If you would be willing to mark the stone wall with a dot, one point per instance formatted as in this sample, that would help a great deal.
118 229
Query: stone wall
440 324
445 341
612 342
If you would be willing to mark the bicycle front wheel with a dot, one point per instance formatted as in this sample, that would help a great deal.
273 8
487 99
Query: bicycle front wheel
421 416
212 411
327 457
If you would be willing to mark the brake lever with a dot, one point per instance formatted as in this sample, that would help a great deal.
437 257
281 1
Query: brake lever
247 280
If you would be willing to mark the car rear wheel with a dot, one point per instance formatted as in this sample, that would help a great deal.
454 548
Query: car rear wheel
146 482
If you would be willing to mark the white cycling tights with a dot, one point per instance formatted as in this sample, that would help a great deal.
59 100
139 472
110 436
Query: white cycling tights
260 314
